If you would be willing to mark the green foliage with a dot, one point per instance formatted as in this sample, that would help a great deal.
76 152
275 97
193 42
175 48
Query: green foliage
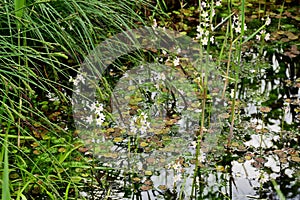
42 45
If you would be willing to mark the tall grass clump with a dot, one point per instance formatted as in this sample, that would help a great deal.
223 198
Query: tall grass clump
42 44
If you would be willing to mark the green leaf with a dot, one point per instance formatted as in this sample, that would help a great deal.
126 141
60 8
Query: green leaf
19 11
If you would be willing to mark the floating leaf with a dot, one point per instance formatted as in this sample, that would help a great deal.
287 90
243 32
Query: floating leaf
118 139
162 187
248 157
295 158
110 155
136 179
143 144
265 109
292 36
220 168
148 173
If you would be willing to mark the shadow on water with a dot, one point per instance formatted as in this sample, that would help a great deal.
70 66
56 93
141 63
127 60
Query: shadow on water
269 127
265 146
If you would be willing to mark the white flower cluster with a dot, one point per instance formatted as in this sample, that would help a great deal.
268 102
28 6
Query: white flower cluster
205 26
237 25
262 33
139 123
177 171
176 61
79 78
52 97
97 109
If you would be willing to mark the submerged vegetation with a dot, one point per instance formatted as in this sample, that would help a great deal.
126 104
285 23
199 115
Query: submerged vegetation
253 154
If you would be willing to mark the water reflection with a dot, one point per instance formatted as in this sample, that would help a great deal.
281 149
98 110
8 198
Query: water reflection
266 146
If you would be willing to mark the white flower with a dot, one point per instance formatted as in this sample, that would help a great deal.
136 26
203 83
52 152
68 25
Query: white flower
206 32
267 36
204 41
238 29
96 106
89 119
219 3
144 115
268 21
177 178
177 167
176 61
212 39
235 19
262 31
205 24
245 27
52 97
213 12
161 76
76 81
258 37
143 130
132 126
154 23
99 122
263 177
202 156
100 119
200 30
133 129
80 78
205 14
194 144
99 109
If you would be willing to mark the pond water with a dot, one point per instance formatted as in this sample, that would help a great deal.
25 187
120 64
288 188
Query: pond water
261 163
254 155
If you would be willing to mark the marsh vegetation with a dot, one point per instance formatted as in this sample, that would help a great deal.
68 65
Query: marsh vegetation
248 150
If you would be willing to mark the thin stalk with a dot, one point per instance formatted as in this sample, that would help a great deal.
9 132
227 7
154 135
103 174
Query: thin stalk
228 66
277 189
237 72
19 11
280 15
199 138
5 176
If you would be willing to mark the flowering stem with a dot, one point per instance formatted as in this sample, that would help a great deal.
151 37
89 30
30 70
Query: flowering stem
237 72
253 34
